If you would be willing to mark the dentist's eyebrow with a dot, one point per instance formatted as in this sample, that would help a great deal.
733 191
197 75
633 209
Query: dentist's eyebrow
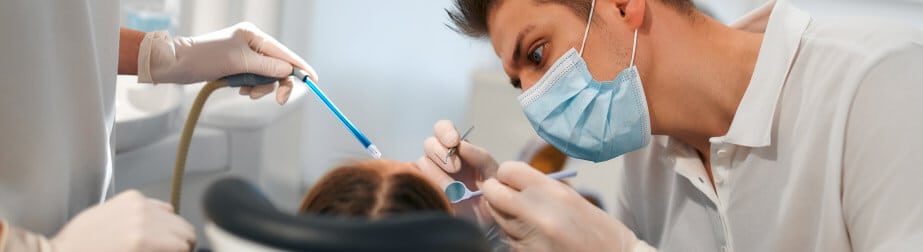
517 52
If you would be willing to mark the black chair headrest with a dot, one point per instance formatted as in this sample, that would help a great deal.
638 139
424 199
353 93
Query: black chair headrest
241 209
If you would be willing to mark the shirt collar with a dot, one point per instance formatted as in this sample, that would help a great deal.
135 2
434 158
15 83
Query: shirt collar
783 29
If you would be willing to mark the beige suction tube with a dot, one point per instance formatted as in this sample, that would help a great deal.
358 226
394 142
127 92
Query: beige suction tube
237 80
179 167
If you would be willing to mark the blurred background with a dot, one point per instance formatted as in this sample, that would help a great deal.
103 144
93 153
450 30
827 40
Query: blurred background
393 67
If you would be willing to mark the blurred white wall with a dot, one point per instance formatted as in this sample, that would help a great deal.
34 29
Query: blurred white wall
393 67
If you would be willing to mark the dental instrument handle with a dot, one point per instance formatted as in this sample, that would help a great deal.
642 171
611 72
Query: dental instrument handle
563 174
556 176
248 80
306 78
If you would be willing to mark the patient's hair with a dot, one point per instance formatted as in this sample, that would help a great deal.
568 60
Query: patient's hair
374 189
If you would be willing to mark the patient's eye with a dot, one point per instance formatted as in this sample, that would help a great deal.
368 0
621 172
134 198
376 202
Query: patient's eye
536 55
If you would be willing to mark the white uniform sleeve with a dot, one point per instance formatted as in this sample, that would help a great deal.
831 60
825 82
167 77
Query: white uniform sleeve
17 240
882 192
642 246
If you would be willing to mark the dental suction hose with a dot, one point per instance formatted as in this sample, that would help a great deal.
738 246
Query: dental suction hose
179 167
247 79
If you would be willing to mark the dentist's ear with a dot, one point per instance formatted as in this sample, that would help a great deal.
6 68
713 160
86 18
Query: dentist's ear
631 11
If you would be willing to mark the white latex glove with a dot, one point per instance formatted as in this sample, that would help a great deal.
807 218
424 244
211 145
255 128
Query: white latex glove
541 214
471 165
241 48
128 222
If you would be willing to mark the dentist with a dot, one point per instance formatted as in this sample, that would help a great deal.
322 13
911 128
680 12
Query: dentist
781 132
58 64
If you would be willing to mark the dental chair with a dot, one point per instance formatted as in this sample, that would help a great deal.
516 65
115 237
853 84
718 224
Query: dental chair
241 218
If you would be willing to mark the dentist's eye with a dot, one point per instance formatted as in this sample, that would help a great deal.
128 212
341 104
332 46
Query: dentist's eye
536 55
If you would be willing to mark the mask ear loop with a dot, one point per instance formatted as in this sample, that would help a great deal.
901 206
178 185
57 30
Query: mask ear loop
587 30
634 45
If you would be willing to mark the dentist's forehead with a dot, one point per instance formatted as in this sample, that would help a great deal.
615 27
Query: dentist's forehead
505 22
509 22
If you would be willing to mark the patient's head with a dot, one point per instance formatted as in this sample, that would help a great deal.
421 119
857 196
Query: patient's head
374 189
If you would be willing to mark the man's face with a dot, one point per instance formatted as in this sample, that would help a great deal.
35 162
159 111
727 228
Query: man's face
529 37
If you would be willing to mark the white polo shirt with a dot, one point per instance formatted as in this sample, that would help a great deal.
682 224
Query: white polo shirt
825 152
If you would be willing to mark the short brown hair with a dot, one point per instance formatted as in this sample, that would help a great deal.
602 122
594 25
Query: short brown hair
469 17
369 189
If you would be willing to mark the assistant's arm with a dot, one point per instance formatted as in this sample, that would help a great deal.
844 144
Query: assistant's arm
129 43
158 57
883 158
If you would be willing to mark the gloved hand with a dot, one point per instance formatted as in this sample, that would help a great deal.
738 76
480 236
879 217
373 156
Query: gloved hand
128 222
241 48
471 165
541 214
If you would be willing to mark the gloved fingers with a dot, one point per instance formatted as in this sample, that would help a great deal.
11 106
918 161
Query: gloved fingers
168 231
311 72
284 90
269 46
160 204
245 90
503 207
519 175
163 212
447 136
258 64
178 234
170 240
166 241
272 48
446 133
127 194
265 65
433 172
183 231
502 197
436 152
482 211
512 227
477 156
467 153
261 90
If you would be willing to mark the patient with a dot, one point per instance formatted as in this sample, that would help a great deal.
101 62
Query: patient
374 189
380 188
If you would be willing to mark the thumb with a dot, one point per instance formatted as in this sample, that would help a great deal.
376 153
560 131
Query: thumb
519 175
479 157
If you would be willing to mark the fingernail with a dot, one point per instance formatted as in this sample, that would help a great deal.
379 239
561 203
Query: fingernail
284 93
282 99
257 94
456 161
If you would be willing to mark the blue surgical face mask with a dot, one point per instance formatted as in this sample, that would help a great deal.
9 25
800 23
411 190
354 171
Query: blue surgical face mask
585 118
